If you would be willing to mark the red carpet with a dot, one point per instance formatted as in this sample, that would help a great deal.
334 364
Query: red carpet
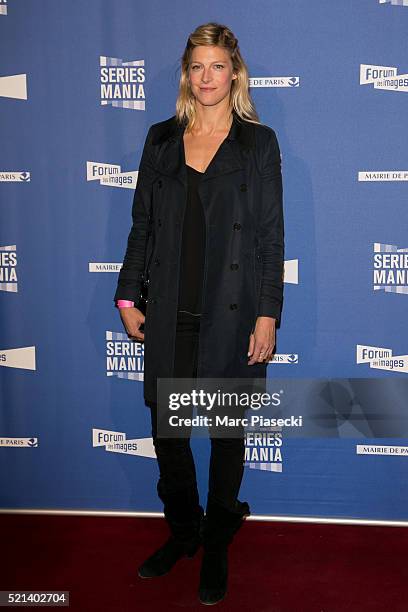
274 567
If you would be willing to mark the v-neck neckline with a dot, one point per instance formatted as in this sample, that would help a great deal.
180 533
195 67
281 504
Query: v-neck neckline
215 154
194 169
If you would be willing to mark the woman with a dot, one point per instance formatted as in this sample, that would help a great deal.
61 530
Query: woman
211 178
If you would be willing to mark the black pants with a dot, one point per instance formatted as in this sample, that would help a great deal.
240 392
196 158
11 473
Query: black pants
174 455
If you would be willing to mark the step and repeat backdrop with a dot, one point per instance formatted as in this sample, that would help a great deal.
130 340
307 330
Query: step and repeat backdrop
80 84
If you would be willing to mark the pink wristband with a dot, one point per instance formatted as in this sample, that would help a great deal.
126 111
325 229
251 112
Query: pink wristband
124 304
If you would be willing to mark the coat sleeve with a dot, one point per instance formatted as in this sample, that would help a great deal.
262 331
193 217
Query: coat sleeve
130 275
271 233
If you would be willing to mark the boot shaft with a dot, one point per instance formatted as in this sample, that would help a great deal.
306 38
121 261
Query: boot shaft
220 524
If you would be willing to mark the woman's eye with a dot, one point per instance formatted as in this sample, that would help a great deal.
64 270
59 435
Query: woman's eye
196 66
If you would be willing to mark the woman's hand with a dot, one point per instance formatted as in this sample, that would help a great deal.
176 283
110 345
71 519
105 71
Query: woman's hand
132 319
262 341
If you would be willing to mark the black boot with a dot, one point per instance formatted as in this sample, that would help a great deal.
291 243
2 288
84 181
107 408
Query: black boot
184 516
220 526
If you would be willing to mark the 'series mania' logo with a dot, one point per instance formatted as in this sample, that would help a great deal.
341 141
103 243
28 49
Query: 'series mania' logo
390 268
8 268
383 77
124 357
263 450
122 83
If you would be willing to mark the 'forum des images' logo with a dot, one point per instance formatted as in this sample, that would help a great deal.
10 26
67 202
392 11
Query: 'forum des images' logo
111 175
390 268
122 83
8 268
383 77
124 357
116 442
381 358
21 358
14 86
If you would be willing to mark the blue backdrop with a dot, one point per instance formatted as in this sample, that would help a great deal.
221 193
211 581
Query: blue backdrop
80 83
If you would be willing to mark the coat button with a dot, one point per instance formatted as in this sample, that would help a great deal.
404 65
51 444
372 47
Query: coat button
234 266
157 262
159 182
243 187
237 226
233 306
153 301
159 222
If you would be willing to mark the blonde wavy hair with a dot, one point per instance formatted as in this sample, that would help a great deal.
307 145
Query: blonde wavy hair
240 100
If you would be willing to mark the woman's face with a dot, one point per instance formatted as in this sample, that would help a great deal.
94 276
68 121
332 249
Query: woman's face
210 74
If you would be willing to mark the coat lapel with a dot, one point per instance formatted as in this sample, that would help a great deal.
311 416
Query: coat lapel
230 156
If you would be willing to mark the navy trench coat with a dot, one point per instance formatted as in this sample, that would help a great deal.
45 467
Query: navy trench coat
241 194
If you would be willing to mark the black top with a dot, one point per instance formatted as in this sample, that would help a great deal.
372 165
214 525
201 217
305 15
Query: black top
193 248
